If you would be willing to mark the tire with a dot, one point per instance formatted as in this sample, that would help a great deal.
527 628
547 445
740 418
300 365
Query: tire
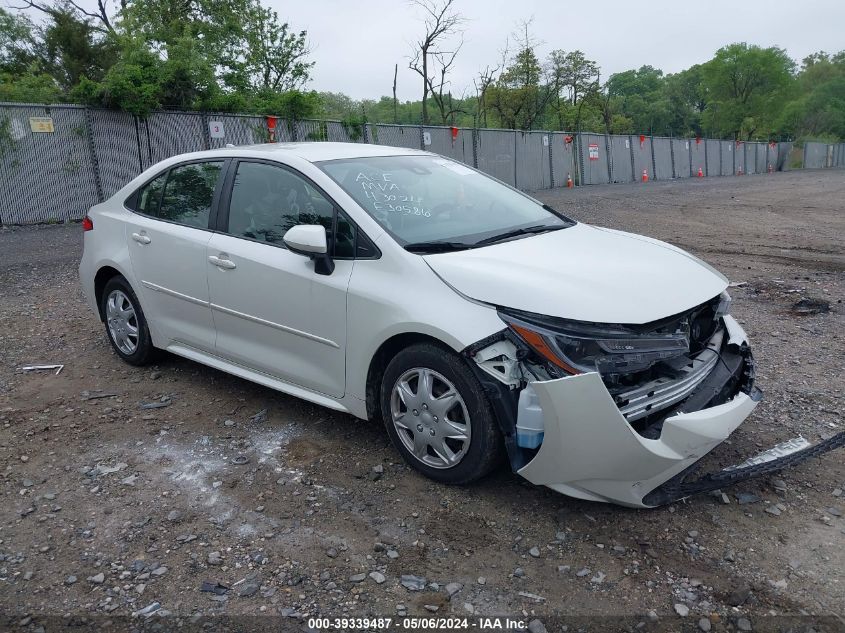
127 327
420 419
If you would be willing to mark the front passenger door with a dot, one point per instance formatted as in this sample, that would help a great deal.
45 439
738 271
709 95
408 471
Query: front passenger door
272 311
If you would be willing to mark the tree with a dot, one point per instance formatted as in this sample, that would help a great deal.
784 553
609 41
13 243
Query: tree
818 108
268 55
17 43
100 18
22 76
519 98
441 21
482 83
132 84
640 98
73 48
746 85
571 73
687 100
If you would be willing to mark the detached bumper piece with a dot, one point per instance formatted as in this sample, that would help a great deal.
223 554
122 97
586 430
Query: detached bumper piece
680 486
591 451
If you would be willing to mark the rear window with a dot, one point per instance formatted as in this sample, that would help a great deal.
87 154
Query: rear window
183 194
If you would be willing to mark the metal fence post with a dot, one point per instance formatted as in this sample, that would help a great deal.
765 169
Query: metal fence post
95 165
550 136
515 181
365 132
138 143
580 158
609 158
206 133
672 156
475 136
149 143
689 157
653 161
633 162
706 165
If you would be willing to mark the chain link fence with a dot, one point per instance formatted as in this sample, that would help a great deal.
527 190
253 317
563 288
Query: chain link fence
58 161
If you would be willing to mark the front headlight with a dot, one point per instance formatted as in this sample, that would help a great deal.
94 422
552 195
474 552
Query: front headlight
578 347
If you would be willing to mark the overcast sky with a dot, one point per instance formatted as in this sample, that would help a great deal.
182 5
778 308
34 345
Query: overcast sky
356 43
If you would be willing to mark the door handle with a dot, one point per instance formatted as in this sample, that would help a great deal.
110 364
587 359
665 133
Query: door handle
222 262
141 238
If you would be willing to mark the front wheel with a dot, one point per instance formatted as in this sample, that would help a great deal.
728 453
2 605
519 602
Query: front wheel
437 415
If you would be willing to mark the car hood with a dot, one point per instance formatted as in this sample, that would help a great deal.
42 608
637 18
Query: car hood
583 273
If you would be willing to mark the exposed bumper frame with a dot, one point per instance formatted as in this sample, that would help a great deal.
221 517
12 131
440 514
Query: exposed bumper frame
591 452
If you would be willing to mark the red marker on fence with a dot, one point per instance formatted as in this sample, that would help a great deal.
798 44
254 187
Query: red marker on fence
271 129
645 175
569 183
700 173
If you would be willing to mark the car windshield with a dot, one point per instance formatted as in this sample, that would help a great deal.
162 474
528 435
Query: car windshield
432 203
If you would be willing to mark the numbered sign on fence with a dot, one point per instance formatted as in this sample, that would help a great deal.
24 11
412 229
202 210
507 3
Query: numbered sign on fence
215 129
594 151
426 138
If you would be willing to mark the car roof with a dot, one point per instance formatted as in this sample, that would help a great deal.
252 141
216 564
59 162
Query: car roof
316 151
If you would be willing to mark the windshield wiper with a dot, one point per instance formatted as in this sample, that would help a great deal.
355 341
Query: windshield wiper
528 230
437 246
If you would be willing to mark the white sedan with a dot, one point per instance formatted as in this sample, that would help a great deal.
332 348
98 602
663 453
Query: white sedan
398 285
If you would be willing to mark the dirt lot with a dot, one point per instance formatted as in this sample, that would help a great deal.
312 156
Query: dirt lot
110 507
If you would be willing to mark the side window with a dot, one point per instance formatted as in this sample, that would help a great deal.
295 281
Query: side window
267 201
344 243
149 197
189 192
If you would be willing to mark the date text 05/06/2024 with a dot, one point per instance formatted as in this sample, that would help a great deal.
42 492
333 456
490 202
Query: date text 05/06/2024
418 624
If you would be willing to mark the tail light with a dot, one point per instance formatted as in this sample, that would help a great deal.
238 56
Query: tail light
87 224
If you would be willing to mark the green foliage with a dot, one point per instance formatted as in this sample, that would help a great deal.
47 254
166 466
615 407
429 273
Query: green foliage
640 97
8 144
17 43
268 56
518 97
30 87
353 125
241 56
73 48
133 83
746 86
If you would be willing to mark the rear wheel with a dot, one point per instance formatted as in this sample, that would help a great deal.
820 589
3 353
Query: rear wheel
437 415
126 325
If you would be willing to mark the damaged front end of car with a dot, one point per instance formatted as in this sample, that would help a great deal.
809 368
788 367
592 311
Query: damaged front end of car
623 413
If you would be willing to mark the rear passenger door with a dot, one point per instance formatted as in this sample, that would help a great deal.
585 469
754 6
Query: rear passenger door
167 234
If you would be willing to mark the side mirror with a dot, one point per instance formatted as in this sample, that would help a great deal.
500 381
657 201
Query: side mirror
310 240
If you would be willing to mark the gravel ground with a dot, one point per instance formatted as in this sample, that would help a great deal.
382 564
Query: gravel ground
231 499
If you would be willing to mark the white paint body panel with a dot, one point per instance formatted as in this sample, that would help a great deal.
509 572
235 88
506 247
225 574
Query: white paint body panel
585 274
171 273
590 451
275 314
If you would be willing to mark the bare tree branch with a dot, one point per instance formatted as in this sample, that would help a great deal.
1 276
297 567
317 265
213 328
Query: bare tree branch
440 20
101 17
